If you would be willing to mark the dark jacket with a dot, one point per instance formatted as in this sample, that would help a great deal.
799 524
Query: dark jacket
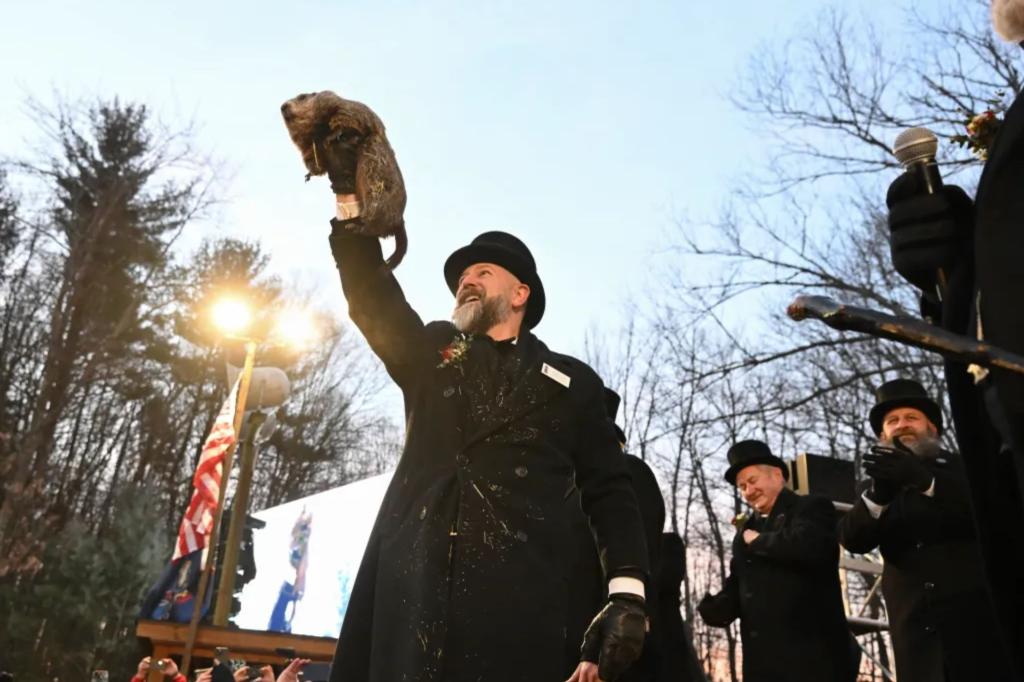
784 588
464 575
939 611
990 273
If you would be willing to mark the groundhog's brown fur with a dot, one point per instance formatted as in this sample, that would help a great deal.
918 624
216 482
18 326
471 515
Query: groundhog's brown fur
318 119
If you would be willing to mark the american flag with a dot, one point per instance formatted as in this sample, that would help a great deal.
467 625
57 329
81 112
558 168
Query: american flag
198 522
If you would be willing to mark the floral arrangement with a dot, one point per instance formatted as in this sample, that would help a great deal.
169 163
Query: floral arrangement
455 352
981 128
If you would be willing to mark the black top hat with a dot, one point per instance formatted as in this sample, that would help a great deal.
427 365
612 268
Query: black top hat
611 407
748 452
502 249
903 393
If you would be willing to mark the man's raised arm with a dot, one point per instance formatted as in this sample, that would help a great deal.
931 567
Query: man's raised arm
376 303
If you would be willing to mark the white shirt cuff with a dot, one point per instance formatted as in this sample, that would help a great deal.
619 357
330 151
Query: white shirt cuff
874 508
626 584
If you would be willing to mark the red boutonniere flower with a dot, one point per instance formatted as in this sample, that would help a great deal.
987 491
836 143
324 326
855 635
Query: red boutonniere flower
455 352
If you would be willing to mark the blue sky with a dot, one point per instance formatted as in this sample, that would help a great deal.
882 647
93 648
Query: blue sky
585 128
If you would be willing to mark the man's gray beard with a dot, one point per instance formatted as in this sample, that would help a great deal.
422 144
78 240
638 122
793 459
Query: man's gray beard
927 446
479 316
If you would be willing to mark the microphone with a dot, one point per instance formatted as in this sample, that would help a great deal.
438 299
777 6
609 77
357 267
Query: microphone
915 149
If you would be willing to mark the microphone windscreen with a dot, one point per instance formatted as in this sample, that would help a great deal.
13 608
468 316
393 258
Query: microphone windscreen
914 145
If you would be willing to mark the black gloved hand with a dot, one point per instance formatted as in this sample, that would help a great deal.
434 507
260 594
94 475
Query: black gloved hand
927 231
882 492
338 154
898 467
615 637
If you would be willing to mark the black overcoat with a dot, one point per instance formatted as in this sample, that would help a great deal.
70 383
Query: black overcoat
464 575
991 276
784 588
939 611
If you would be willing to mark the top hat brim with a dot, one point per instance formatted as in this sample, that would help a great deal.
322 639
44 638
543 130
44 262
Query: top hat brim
928 406
732 471
510 260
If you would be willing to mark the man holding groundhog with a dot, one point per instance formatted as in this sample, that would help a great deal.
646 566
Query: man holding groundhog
465 573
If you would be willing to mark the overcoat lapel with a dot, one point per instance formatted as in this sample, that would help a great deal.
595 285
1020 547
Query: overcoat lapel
532 392
777 516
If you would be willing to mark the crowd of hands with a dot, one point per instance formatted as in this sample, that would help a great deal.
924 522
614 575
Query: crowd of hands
242 674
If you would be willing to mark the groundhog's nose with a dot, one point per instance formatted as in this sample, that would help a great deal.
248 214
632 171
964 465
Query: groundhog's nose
284 108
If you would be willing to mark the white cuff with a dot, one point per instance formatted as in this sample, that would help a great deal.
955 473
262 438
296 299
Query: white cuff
931 490
874 508
626 584
346 210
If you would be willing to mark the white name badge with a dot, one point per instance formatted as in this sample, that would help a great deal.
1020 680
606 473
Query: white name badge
552 373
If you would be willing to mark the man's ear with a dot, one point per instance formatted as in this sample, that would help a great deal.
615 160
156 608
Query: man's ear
520 295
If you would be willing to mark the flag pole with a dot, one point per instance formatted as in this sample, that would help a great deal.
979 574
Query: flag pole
204 579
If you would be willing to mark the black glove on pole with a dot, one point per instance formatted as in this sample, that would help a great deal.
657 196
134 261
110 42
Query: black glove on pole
897 466
615 637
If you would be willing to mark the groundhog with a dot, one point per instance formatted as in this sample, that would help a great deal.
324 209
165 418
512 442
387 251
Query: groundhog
331 132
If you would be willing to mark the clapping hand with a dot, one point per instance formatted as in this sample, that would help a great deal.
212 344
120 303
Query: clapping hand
894 468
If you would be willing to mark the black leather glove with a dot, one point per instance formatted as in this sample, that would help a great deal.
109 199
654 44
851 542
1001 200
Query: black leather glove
338 154
615 637
881 492
927 231
897 467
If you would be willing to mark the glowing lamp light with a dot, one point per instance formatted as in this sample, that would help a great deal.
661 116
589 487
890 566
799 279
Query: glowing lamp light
232 316
296 328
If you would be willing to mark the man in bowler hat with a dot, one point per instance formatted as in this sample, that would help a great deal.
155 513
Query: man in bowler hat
464 574
915 506
783 580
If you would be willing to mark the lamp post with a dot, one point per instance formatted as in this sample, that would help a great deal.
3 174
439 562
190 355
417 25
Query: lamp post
233 318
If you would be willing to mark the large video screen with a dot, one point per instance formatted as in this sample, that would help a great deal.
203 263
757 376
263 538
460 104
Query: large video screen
307 557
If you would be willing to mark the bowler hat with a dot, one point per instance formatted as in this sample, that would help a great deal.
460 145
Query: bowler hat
502 249
748 452
611 407
903 393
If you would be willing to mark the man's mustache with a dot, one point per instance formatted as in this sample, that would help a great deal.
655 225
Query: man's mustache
469 292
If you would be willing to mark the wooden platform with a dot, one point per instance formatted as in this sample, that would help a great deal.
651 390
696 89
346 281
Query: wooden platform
254 646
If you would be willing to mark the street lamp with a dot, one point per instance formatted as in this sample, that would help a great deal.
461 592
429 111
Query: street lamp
233 317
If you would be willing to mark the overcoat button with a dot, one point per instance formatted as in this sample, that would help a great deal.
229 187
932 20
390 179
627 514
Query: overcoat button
929 586
521 536
929 628
449 392
521 471
423 513
919 545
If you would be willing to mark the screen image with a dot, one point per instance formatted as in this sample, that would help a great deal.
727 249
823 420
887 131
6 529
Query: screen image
307 557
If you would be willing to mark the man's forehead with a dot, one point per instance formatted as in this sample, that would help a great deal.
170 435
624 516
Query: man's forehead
749 471
480 266
901 411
